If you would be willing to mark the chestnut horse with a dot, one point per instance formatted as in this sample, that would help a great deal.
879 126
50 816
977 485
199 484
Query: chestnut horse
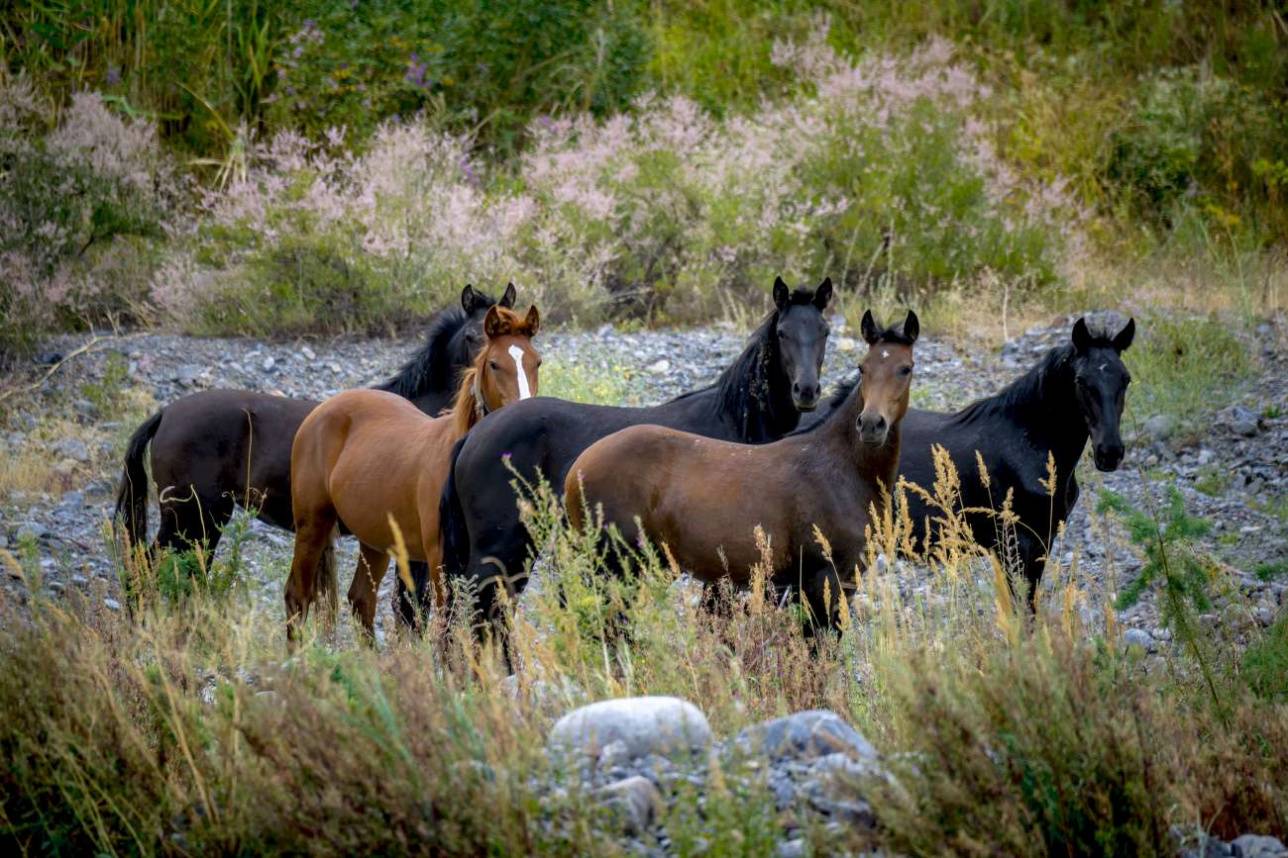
364 458
703 498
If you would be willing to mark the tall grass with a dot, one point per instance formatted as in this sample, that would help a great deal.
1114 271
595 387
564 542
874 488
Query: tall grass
184 729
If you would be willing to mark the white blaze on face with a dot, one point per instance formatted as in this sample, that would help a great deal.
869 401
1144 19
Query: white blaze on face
525 391
885 353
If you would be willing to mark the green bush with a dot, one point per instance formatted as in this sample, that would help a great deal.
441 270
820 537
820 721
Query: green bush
82 206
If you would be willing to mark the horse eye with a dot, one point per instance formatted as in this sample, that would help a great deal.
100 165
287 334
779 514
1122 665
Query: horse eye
907 370
493 365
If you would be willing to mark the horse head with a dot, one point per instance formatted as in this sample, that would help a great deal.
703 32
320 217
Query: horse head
885 376
801 334
1100 382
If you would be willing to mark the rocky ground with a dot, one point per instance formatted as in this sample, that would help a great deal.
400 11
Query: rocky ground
64 439
64 436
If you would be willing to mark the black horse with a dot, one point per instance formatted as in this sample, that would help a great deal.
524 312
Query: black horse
757 399
213 450
1074 394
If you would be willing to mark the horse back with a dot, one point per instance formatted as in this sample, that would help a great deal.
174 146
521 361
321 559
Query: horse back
230 442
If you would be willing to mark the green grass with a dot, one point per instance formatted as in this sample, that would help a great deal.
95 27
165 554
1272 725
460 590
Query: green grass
598 383
1187 368
185 727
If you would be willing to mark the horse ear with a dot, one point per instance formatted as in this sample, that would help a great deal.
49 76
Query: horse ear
469 298
869 328
533 321
1081 336
911 327
823 294
507 300
782 295
1122 341
493 324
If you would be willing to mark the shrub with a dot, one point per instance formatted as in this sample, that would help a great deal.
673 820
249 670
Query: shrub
488 67
81 204
873 170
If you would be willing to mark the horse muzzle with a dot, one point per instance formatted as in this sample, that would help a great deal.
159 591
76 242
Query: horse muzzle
805 396
873 431
1108 456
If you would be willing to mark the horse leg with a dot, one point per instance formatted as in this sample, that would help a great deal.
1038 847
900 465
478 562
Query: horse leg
1031 560
365 588
328 584
411 604
312 536
823 595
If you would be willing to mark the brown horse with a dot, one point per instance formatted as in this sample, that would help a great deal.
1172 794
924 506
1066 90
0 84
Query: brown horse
703 498
365 458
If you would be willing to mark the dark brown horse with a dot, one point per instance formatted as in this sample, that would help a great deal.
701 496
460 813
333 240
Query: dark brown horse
704 498
216 449
371 460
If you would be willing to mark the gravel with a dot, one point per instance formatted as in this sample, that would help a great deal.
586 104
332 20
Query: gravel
1232 473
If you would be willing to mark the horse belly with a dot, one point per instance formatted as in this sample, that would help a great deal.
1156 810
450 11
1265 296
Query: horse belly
367 489
709 516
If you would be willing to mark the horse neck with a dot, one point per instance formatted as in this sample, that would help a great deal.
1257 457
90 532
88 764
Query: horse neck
758 393
429 374
1044 403
465 409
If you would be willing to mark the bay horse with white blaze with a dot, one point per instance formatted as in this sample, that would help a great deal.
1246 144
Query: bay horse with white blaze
703 498
369 460
213 450
759 398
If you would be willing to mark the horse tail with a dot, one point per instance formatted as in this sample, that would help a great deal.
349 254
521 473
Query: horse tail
454 535
132 496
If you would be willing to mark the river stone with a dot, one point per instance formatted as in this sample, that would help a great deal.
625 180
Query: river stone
1139 638
634 803
806 736
1244 421
1258 846
645 725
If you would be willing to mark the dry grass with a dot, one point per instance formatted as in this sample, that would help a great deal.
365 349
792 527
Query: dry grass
187 729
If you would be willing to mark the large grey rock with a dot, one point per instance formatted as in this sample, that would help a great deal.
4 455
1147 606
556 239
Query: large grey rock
805 735
1139 638
644 725
1258 846
1244 421
633 802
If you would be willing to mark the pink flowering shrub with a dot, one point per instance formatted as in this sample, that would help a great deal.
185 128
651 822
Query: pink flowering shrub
877 171
82 205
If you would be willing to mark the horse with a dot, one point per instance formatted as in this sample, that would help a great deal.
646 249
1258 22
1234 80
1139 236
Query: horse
703 498
215 449
370 460
759 398
1073 395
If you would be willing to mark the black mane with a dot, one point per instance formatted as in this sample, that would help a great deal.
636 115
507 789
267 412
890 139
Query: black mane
1024 391
744 389
430 367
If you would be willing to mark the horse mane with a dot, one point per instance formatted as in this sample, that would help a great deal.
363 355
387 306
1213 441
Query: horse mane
428 367
743 389
465 407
